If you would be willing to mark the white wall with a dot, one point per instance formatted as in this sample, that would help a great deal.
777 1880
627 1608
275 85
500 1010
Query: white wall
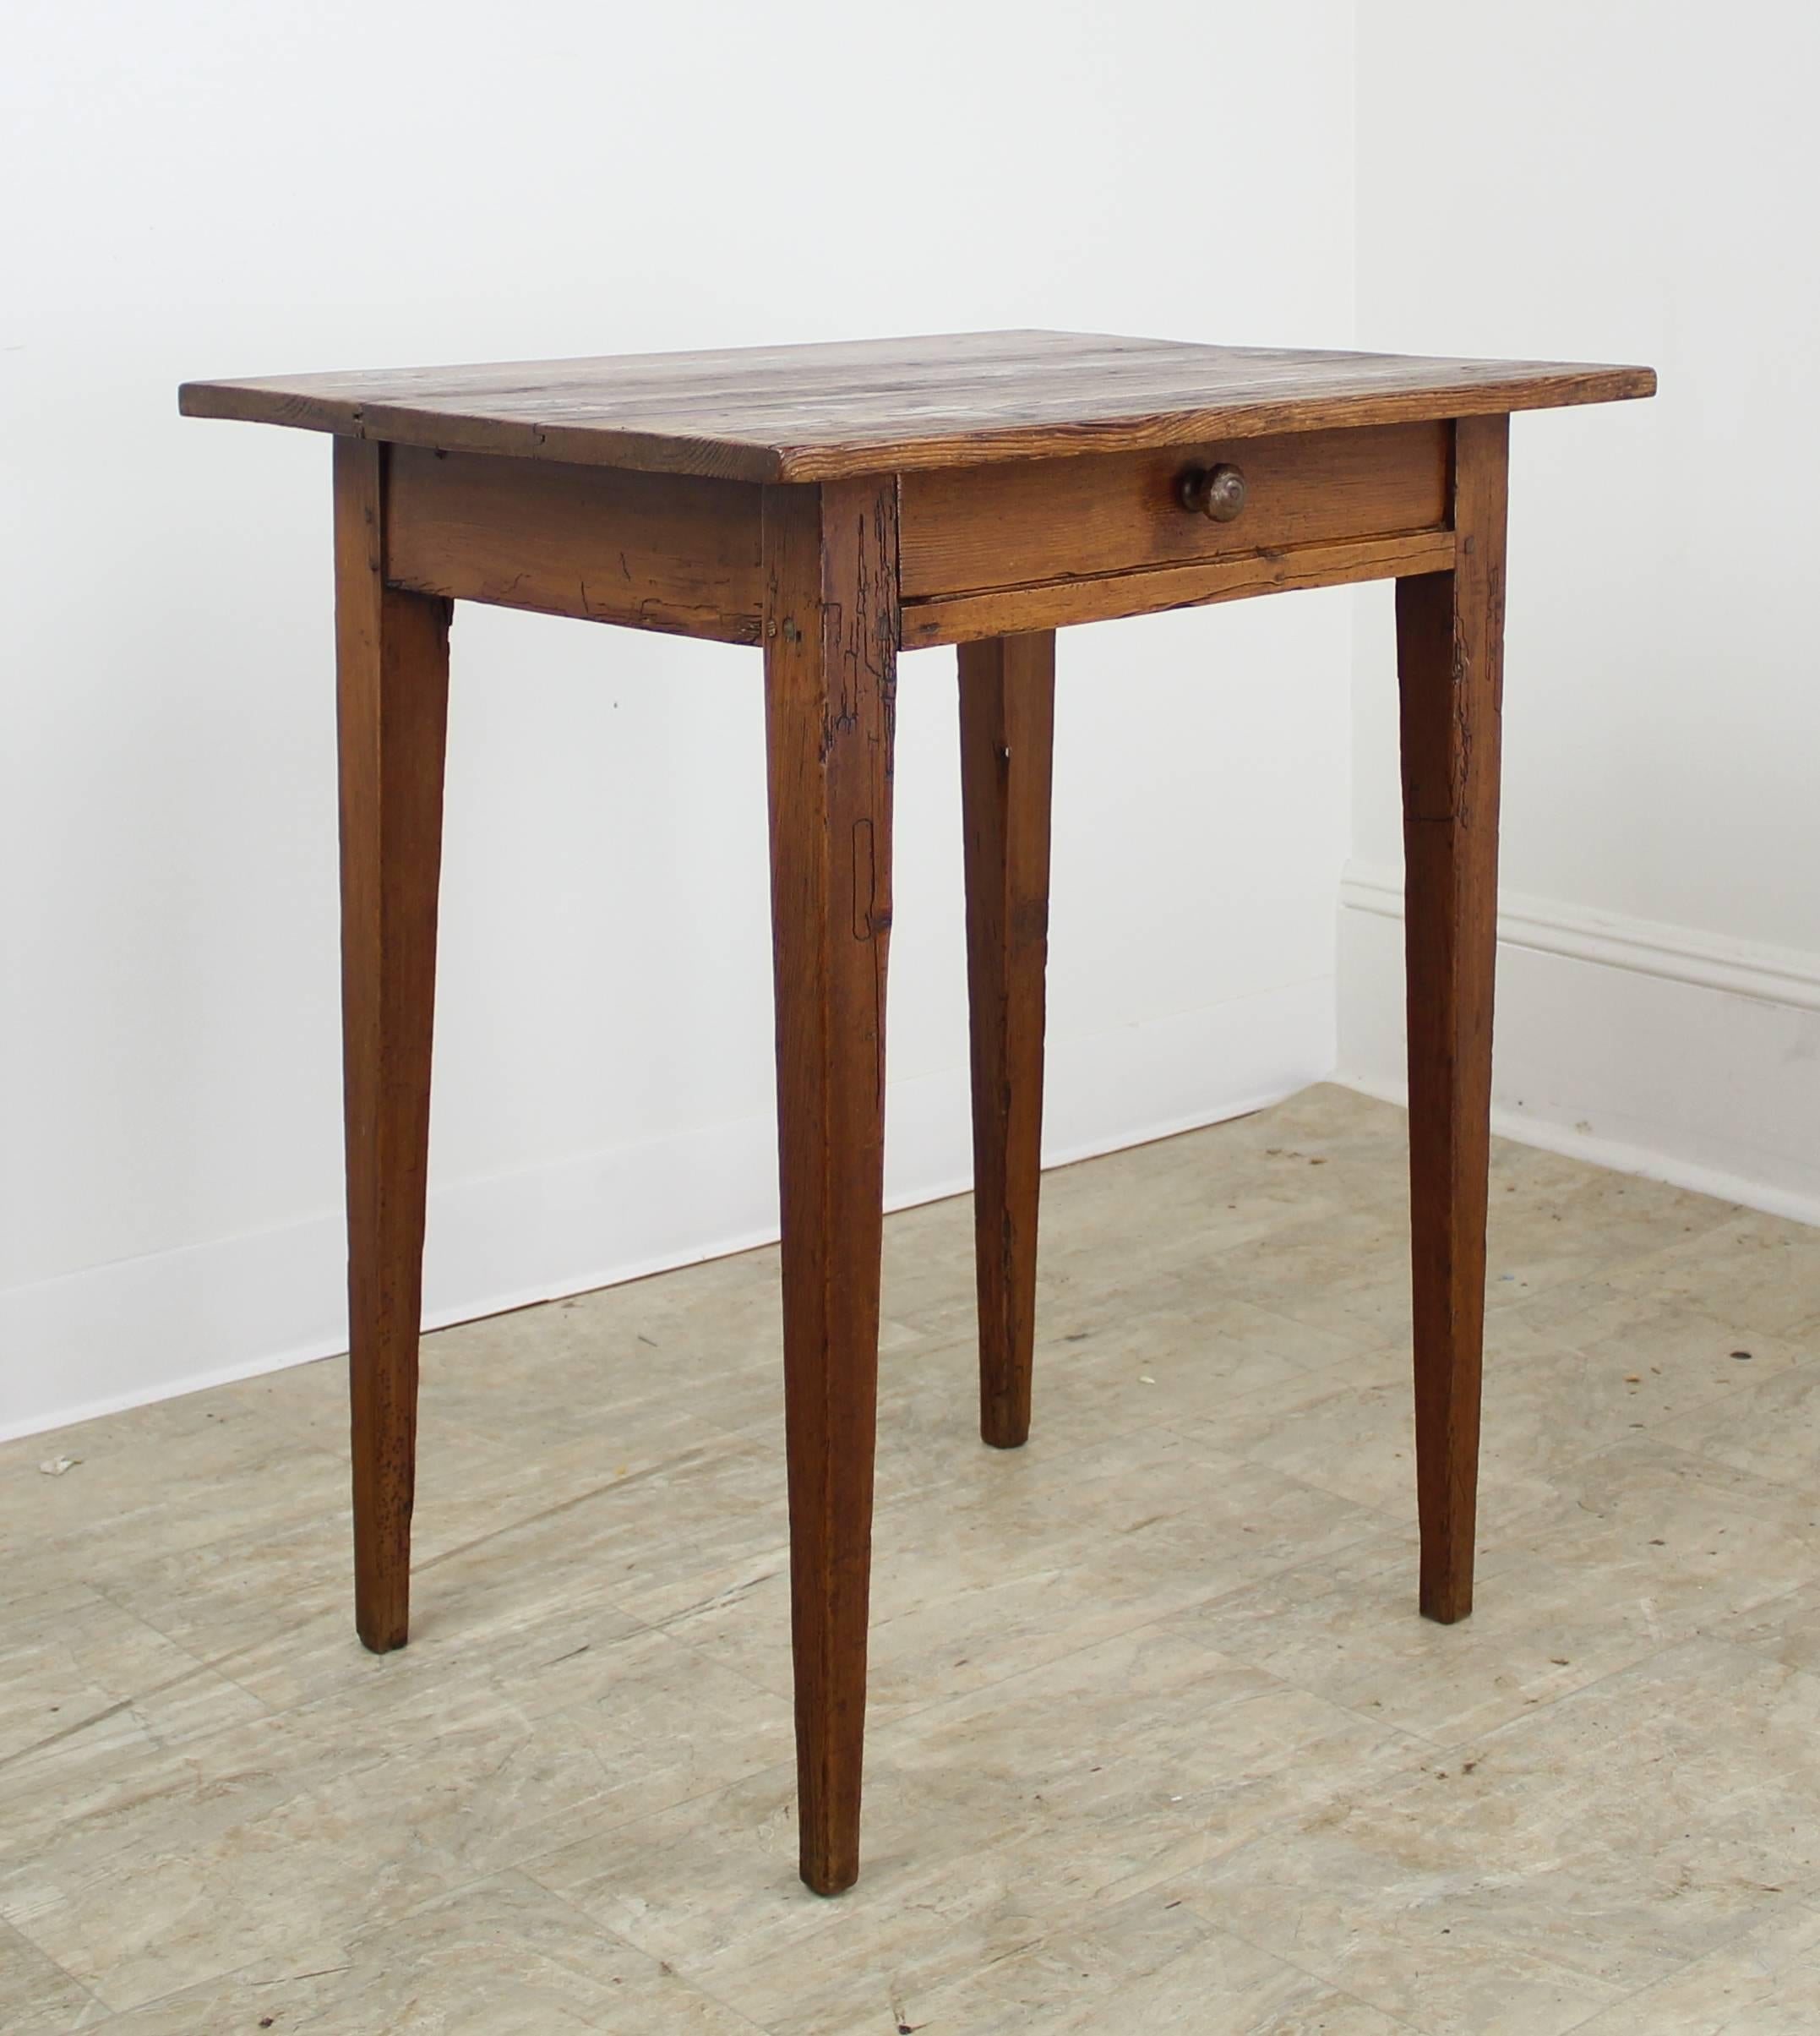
1628 182
205 189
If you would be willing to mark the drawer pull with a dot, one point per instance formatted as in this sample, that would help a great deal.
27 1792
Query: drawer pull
1217 492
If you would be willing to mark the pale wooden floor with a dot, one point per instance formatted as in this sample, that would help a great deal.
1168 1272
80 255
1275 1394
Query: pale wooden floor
1158 1740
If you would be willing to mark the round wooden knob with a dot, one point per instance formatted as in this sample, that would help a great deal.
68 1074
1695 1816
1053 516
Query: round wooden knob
1217 492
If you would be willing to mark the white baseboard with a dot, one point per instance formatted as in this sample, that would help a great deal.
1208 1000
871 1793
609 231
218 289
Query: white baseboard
115 1336
1654 1049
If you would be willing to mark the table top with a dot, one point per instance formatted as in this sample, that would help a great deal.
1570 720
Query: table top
820 412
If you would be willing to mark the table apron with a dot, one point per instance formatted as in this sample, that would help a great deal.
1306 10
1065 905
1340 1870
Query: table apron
984 553
676 552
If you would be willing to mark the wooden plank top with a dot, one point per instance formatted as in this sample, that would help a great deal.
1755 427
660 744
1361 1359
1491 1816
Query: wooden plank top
819 412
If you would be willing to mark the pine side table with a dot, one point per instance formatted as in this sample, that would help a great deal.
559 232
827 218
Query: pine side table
830 504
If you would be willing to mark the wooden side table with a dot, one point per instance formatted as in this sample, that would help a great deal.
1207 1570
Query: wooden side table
830 504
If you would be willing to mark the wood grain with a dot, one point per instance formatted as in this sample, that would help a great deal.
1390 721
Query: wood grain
1007 743
1450 633
666 552
1056 603
392 657
968 529
831 655
871 406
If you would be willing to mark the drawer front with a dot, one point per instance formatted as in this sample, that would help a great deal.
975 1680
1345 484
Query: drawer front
1034 520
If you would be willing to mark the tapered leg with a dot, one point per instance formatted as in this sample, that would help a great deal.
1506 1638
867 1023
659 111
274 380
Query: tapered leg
1007 729
830 654
392 653
1450 630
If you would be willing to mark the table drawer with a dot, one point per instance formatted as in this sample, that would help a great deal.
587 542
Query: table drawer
1030 522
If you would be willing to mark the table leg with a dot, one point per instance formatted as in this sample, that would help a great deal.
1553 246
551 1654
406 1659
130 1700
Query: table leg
392 653
831 630
1007 731
1450 629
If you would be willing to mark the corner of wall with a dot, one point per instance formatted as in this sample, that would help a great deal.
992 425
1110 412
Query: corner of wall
1600 1020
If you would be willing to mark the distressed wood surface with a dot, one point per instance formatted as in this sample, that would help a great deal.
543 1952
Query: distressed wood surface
966 530
811 413
1007 742
668 552
831 658
1056 603
1450 639
392 657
